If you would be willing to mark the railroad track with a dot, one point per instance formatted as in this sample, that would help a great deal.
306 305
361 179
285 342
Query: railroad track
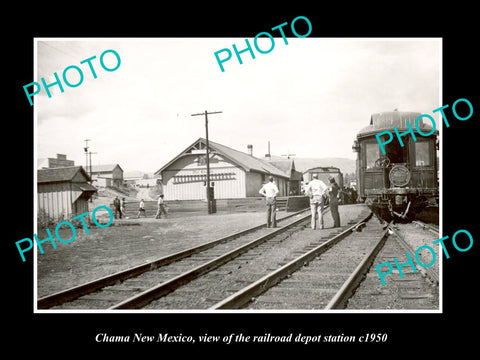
338 274
434 229
331 269
324 277
235 283
415 290
111 291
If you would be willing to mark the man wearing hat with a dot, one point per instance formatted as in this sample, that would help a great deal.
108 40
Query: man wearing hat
334 189
315 189
270 191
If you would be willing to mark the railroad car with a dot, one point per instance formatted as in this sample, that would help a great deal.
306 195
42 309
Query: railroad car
324 173
404 181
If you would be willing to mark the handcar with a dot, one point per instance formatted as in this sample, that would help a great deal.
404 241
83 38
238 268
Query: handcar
401 183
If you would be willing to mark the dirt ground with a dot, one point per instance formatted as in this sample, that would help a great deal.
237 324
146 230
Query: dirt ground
127 243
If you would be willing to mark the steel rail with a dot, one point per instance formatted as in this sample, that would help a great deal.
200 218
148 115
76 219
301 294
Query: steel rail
164 288
429 227
83 289
244 295
429 273
340 299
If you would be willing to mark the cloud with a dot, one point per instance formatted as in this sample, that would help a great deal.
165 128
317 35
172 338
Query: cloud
309 97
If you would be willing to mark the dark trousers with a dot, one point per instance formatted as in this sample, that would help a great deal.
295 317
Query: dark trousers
271 212
334 211
118 212
161 210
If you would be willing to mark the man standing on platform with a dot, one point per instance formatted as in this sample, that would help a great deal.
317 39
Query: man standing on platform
315 189
333 195
270 191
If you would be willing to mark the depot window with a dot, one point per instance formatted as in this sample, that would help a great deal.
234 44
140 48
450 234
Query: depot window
422 153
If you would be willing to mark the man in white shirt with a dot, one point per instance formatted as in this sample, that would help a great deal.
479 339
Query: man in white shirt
270 191
315 189
141 208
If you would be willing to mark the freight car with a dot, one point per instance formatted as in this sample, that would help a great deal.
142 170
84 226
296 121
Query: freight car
404 181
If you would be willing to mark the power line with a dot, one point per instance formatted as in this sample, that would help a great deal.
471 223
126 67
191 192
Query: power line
209 197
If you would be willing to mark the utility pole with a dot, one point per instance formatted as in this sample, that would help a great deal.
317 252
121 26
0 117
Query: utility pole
209 197
86 154
90 155
288 155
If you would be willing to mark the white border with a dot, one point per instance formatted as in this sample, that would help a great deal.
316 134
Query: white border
245 312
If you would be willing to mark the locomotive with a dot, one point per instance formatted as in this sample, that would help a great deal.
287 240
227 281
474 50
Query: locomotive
402 182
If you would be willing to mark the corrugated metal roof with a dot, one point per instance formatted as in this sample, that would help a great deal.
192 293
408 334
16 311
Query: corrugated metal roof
247 161
244 160
60 174
286 165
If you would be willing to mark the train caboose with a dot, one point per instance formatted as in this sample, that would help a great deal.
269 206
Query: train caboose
404 181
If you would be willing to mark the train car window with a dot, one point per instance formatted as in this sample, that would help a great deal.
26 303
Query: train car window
422 153
396 153
372 153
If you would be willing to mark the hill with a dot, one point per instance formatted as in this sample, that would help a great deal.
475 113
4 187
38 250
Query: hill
346 166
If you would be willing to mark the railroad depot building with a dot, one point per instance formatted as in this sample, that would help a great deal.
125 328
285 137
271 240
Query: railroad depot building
233 174
63 192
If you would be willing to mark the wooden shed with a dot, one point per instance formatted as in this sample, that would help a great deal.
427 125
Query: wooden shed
63 192
233 174
107 175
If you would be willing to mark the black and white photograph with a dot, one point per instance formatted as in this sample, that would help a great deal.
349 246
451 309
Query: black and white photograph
300 200
281 187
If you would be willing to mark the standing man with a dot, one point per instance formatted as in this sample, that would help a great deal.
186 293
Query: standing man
161 208
122 207
334 188
315 189
116 205
270 191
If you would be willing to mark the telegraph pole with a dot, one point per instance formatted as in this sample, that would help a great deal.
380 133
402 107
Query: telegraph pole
288 155
86 154
90 155
209 199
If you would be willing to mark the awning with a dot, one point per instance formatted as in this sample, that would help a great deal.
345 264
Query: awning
84 187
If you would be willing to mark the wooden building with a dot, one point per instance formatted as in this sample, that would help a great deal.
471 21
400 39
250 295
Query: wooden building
63 192
295 177
107 175
60 161
233 174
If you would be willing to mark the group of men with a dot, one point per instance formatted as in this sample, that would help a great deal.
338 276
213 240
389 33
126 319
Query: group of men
316 190
119 207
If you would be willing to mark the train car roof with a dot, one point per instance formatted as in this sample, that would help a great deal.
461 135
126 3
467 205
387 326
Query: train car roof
387 120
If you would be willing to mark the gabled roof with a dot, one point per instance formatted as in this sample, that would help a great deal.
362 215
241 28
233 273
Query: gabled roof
61 174
286 165
244 160
104 168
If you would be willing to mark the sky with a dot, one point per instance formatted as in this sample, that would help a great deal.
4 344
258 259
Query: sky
307 98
